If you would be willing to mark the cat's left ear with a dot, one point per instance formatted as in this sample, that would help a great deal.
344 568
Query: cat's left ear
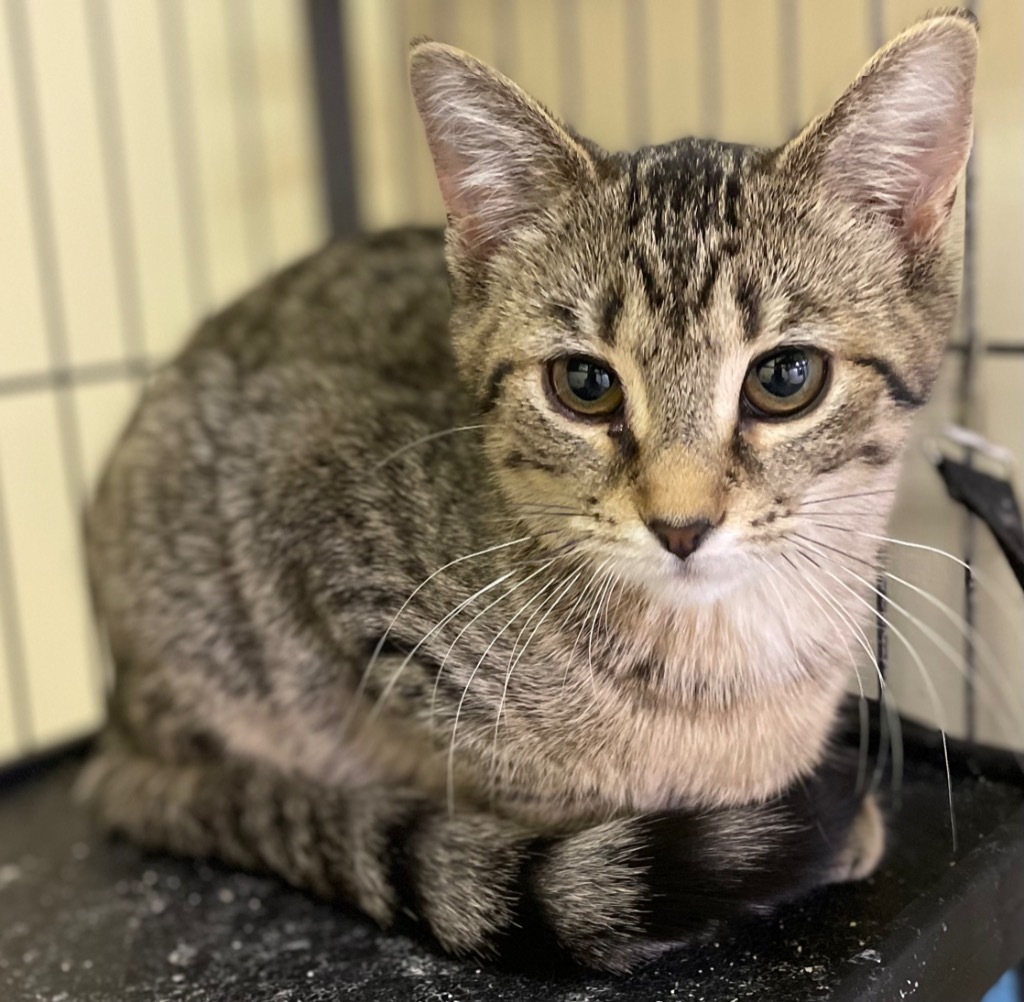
895 144
502 159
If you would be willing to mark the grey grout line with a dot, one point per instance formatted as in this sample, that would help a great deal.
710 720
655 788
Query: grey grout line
710 33
444 22
638 68
570 90
181 103
876 23
93 373
789 67
250 140
44 237
966 415
876 14
14 647
115 178
49 276
506 37
82 375
411 131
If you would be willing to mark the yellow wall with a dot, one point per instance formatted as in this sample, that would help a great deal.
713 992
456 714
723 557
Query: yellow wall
112 75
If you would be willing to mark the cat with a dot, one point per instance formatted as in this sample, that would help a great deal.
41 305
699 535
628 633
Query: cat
506 584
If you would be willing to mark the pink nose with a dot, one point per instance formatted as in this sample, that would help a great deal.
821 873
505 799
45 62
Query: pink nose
680 540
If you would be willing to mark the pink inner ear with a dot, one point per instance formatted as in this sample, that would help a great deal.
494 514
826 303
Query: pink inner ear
467 202
903 135
500 158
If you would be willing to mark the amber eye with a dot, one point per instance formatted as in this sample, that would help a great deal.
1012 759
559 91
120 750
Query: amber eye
585 386
785 383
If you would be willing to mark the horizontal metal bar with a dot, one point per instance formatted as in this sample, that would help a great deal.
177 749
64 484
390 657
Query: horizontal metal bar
105 372
992 348
82 375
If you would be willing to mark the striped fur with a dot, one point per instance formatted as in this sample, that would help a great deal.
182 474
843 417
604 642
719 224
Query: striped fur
388 621
607 896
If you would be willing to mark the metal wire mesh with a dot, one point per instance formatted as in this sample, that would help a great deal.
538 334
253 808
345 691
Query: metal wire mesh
332 68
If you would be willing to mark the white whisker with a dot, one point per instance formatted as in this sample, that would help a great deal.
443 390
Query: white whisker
420 441
361 688
843 497
571 612
469 682
593 623
891 714
460 634
515 658
926 679
862 757
974 636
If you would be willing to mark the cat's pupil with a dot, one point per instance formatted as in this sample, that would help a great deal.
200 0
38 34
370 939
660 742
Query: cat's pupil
587 379
784 374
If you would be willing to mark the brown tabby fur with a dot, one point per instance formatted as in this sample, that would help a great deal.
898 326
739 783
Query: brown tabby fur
532 733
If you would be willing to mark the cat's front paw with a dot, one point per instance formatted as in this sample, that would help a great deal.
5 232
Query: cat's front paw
865 846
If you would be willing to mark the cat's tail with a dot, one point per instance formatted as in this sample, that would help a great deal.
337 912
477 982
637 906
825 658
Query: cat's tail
608 896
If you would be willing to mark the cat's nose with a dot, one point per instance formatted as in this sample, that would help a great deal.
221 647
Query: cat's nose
681 540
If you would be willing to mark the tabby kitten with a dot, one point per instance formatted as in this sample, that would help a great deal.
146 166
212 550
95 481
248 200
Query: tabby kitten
514 584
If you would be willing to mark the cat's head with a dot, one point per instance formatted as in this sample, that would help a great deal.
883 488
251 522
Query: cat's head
692 357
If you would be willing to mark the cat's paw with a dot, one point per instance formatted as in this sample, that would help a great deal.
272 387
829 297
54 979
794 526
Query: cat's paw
865 846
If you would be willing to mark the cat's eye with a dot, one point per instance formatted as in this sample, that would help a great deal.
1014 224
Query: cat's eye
785 383
585 385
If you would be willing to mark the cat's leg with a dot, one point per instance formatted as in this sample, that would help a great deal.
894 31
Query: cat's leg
609 896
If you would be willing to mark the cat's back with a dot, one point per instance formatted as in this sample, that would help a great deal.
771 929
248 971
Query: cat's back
258 459
377 302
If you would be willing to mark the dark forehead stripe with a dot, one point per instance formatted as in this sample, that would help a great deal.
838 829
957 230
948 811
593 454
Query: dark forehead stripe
611 307
731 201
748 298
901 394
708 285
652 290
802 307
494 381
684 204
565 315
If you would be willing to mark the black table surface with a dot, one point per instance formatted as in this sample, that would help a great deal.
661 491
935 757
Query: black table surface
87 919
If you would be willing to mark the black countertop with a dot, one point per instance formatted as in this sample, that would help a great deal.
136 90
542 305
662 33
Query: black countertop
87 919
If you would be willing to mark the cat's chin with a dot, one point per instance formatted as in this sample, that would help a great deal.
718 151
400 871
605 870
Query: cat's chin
695 586
700 581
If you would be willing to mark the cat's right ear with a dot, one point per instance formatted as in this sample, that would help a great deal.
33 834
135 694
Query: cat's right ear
896 142
502 160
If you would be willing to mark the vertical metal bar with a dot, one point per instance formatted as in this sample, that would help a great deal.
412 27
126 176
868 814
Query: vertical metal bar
411 136
181 101
14 648
444 20
876 15
638 62
47 261
570 92
250 142
710 68
44 238
506 37
881 631
327 41
789 67
115 179
966 416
